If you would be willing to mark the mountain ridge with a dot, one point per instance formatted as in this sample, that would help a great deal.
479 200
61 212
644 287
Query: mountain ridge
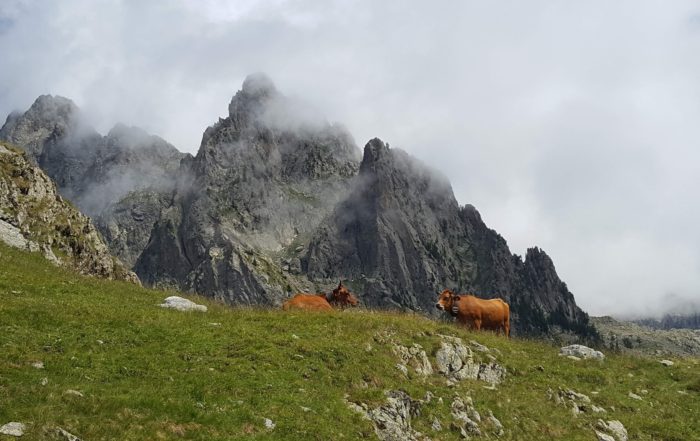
279 200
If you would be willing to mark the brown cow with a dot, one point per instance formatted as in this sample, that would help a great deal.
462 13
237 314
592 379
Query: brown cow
308 302
474 312
341 297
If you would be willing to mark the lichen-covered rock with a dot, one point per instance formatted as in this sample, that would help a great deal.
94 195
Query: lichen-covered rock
466 418
456 361
615 430
392 421
415 357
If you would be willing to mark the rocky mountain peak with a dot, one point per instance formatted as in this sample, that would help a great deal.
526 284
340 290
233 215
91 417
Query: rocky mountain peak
249 104
53 108
47 120
375 151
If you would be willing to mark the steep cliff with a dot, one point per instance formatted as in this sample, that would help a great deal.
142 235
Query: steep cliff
263 179
401 236
35 217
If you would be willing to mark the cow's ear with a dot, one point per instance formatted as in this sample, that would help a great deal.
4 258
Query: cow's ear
456 298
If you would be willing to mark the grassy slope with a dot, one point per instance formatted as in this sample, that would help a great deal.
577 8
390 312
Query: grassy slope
163 374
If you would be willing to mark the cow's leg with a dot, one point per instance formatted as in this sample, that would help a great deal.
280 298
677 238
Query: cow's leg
477 324
506 327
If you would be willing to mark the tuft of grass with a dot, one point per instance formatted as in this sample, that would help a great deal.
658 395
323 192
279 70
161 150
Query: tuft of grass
148 373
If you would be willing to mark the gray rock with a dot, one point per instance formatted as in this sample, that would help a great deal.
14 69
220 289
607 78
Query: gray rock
66 435
466 418
634 396
581 351
666 362
614 428
604 437
415 357
496 423
38 365
13 429
436 426
455 361
269 424
74 393
392 421
182 304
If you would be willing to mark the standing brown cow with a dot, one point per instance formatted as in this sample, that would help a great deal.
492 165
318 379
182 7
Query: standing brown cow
474 312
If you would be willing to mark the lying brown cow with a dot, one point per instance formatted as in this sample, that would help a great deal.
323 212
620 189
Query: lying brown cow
341 297
308 302
474 312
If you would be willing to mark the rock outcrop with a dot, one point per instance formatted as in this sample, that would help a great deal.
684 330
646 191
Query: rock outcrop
33 216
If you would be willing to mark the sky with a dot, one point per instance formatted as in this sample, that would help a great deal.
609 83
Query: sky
572 126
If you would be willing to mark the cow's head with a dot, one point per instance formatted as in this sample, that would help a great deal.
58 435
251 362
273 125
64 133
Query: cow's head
343 297
446 300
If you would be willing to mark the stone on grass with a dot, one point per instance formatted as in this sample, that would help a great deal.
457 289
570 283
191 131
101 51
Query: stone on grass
614 428
581 351
38 365
13 429
415 357
75 393
64 434
666 362
634 396
269 424
456 361
182 304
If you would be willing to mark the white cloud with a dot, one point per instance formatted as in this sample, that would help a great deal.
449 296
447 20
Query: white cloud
570 125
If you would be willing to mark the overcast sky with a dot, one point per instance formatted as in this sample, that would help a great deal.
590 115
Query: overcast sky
573 126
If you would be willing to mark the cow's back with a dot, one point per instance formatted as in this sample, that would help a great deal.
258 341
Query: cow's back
307 302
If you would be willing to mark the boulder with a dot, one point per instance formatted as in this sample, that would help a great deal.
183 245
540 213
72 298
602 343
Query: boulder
581 351
455 361
13 429
182 304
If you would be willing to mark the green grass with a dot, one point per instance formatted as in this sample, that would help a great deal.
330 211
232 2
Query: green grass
148 373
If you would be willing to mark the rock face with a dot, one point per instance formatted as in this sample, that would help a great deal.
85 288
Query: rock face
262 181
33 216
96 173
279 200
401 236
